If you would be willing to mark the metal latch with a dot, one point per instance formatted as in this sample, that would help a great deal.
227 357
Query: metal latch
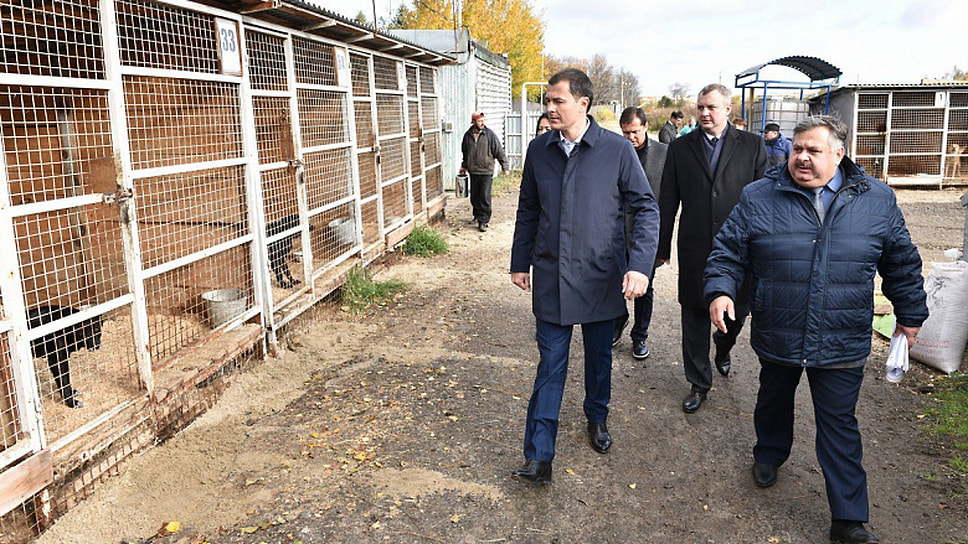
117 197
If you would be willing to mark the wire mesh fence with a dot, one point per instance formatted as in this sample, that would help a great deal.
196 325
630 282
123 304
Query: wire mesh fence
158 198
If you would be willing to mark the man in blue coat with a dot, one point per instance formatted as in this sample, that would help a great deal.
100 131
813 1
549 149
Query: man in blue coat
811 237
569 249
778 148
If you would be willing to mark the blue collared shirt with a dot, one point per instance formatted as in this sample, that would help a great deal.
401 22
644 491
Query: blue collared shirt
830 189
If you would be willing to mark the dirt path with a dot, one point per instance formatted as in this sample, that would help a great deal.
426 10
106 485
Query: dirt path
403 425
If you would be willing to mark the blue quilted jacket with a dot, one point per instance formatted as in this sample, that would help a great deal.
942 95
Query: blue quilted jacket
812 284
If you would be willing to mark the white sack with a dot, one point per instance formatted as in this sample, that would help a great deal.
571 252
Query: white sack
941 342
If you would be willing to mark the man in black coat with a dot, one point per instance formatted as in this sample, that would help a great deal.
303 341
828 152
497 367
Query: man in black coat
705 171
635 128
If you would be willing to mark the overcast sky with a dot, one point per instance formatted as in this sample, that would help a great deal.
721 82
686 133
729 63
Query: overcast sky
664 42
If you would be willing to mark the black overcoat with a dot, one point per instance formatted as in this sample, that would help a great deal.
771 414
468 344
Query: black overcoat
706 199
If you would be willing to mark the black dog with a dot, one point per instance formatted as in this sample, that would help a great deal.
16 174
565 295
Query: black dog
280 249
58 345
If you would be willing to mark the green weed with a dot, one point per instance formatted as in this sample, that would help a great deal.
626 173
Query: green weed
501 184
361 292
424 241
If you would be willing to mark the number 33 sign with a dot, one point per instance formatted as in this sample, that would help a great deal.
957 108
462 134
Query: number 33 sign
228 46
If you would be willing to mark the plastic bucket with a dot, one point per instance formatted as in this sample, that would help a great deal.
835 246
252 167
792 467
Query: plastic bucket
345 230
223 305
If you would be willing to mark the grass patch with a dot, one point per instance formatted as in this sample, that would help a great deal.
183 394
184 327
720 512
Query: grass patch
424 241
501 184
360 292
949 417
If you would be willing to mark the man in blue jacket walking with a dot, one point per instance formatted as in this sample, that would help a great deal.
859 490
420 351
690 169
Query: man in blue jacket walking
812 236
569 248
778 148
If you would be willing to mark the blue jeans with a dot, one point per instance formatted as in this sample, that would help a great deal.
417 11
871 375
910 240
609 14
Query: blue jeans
554 342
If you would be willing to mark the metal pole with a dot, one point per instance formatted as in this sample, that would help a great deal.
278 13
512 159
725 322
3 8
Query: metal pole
964 244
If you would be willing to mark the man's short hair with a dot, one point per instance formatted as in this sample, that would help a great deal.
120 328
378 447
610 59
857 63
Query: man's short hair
719 88
837 128
578 83
677 115
630 113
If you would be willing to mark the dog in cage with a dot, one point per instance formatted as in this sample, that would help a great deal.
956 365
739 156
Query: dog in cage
280 249
953 164
58 346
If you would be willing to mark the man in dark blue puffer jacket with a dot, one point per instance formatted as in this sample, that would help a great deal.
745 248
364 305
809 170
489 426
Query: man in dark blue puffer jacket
812 234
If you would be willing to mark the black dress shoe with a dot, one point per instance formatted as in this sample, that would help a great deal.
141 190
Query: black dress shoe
619 329
482 226
533 471
763 474
640 350
850 532
692 403
599 437
722 362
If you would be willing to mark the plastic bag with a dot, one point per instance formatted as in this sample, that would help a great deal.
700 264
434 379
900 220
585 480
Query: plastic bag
897 358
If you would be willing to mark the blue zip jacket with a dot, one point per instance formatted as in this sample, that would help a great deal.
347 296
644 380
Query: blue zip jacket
812 284
778 151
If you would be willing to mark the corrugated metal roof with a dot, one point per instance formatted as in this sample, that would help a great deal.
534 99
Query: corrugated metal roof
307 17
929 85
814 68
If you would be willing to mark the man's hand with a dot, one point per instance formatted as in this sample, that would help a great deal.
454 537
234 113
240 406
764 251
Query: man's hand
660 262
522 280
910 332
507 173
462 171
634 284
719 306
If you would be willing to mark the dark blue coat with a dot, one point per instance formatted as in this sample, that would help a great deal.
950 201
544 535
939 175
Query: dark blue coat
812 285
569 231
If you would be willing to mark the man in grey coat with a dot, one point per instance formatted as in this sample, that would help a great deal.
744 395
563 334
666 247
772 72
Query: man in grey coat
652 154
480 148
670 130
569 236
705 171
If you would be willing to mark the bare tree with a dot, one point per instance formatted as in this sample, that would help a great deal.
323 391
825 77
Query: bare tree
679 92
610 83
603 78
956 74
629 88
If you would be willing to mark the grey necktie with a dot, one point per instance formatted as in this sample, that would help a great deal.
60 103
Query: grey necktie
818 202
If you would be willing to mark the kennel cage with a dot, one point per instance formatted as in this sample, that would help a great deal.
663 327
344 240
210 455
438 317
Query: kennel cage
906 134
176 172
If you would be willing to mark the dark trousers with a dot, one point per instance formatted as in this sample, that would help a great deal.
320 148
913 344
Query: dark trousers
695 343
838 441
549 383
642 315
481 197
